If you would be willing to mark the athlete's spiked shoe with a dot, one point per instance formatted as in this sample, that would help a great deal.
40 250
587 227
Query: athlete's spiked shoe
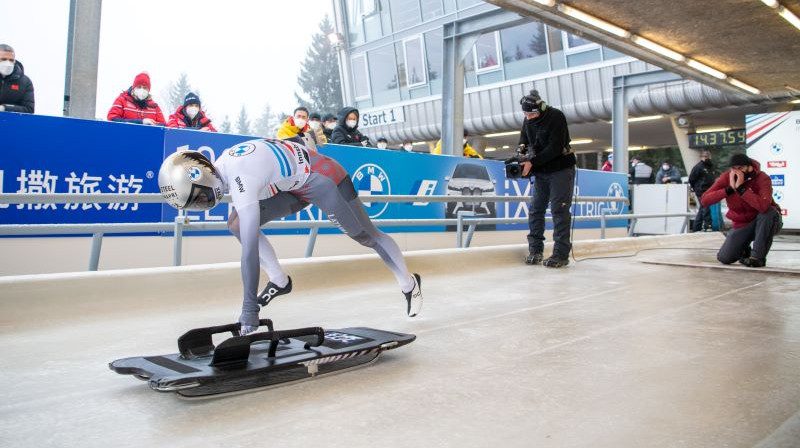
272 290
414 297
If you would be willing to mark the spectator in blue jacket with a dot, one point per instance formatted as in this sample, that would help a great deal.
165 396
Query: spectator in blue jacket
668 174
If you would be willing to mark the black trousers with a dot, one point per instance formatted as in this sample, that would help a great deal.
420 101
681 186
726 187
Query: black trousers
759 231
555 189
703 218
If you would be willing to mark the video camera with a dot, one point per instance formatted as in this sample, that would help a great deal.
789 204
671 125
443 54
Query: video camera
514 164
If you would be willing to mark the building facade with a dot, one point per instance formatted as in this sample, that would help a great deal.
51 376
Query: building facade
394 56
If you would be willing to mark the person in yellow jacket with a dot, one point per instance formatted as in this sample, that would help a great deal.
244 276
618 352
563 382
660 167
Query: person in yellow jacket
294 127
468 151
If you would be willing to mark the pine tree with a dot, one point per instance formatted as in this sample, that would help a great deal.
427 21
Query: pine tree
319 74
267 124
177 91
243 123
226 126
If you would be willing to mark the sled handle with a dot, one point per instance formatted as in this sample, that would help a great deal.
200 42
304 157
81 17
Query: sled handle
233 353
197 342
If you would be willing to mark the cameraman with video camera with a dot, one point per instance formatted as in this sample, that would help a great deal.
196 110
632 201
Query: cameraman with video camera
544 152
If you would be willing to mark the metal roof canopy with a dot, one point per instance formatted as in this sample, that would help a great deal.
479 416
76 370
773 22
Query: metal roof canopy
745 39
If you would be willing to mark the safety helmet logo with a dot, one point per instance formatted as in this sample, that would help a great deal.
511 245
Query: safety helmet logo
195 174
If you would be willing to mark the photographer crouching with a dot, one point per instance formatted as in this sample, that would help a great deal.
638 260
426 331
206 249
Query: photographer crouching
545 154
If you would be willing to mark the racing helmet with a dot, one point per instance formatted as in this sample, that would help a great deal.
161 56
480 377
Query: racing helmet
188 181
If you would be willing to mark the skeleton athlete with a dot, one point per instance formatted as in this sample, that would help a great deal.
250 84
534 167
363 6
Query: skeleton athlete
269 179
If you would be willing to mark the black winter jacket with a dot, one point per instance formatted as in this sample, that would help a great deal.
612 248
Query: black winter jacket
345 135
547 140
16 91
702 178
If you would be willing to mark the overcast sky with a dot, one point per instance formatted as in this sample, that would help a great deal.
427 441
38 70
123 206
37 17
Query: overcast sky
235 52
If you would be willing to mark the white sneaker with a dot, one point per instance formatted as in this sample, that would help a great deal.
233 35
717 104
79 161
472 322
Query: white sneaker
414 297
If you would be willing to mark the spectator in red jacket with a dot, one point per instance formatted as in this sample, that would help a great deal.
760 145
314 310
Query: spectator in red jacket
755 215
135 105
190 115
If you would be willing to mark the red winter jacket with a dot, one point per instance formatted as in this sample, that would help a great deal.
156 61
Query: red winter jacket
179 120
128 109
756 196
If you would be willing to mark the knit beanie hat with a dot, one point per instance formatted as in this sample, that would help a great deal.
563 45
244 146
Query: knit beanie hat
142 79
191 98
740 160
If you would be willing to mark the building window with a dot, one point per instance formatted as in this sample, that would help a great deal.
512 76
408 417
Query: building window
356 10
434 56
612 54
577 43
556 47
524 50
431 9
415 62
580 51
360 77
470 79
405 14
487 56
384 83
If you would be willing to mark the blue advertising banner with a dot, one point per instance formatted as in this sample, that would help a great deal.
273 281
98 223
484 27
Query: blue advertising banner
56 155
61 155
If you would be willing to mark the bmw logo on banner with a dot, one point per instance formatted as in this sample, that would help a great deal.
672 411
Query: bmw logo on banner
371 180
776 148
615 190
777 195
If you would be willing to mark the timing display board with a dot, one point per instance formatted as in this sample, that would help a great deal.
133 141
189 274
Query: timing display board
717 138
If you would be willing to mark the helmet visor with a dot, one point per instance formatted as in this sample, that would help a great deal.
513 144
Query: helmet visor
201 198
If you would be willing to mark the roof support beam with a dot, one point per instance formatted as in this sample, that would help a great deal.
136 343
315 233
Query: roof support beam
625 87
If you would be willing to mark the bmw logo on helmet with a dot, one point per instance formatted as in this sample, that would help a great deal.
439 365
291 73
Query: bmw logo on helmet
195 174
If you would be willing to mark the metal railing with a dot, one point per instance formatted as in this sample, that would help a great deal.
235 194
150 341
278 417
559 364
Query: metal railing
183 224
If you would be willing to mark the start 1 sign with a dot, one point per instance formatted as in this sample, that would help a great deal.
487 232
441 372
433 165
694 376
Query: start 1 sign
382 117
774 141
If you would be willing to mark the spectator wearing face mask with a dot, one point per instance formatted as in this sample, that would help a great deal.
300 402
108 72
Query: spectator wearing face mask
608 165
16 89
328 125
135 105
668 174
317 134
383 143
190 115
408 146
295 127
346 131
467 149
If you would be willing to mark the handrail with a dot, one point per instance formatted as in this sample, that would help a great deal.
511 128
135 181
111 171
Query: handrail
183 223
156 198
